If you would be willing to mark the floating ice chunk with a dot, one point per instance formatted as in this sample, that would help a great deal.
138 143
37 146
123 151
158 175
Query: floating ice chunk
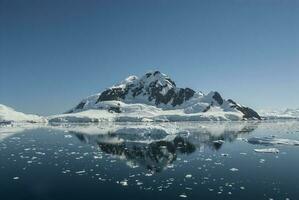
269 150
188 176
16 178
80 172
139 183
272 141
124 183
234 169
262 160
68 136
218 141
183 196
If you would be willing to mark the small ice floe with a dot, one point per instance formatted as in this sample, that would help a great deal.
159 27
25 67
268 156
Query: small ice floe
66 171
268 150
124 182
218 141
16 178
234 169
183 196
80 172
262 160
139 183
68 136
188 176
272 141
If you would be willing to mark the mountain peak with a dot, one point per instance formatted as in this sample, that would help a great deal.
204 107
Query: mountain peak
159 90
153 88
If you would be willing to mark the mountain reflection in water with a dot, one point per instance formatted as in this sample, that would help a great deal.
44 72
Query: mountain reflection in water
153 148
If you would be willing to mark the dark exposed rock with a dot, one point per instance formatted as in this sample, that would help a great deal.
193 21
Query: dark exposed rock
5 122
116 94
182 95
156 72
176 96
207 108
114 109
80 105
148 75
248 112
217 97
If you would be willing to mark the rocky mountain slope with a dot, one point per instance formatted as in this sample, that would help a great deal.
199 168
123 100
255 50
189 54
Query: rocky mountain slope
155 97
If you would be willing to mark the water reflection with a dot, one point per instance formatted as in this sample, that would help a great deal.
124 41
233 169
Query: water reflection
195 160
155 146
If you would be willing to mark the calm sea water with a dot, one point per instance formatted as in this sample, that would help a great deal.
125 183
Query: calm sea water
149 161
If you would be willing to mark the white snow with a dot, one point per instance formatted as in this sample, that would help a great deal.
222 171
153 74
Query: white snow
9 115
267 150
138 112
139 107
280 114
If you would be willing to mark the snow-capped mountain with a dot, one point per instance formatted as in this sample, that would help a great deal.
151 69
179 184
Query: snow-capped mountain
154 97
9 115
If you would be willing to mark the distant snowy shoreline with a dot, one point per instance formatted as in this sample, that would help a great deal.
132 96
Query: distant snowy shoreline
152 98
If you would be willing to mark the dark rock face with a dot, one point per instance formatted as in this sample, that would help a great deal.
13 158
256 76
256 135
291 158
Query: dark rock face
80 105
217 97
116 94
207 108
182 95
156 88
114 109
153 91
248 112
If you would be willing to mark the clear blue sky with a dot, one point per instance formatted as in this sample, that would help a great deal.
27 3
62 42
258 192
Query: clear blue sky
55 52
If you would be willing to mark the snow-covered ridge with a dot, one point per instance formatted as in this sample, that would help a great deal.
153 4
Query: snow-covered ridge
280 114
9 115
155 97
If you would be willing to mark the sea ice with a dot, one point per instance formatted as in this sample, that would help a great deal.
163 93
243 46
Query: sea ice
272 141
188 176
268 150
